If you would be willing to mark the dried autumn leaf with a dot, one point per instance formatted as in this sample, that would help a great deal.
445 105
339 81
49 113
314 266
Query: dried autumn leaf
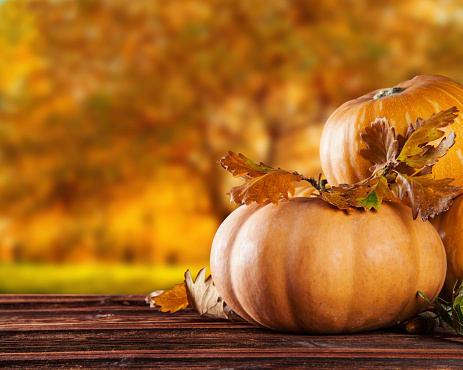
383 190
204 296
382 145
431 154
428 196
402 168
337 199
407 164
201 295
262 182
240 166
361 194
149 299
367 194
424 132
172 300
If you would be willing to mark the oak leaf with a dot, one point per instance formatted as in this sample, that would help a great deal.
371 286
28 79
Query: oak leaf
428 196
430 154
171 300
407 162
204 296
367 194
418 136
337 199
402 168
150 297
382 144
262 182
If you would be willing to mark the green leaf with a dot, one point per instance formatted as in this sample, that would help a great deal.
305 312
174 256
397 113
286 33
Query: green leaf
424 297
366 194
357 195
372 200
450 312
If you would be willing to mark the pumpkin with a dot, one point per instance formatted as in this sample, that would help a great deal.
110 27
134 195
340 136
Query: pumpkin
305 266
420 97
450 228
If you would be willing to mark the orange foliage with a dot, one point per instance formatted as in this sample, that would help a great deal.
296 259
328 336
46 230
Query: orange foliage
114 112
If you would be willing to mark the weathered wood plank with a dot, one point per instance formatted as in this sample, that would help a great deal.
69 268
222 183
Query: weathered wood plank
49 301
48 331
264 352
215 359
214 340
107 318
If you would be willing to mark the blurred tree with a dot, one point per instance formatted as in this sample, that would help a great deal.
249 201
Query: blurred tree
114 112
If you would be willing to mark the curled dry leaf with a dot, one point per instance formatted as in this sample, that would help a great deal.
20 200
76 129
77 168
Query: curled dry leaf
368 194
171 300
428 196
204 296
423 132
402 169
406 162
201 295
262 182
149 299
382 144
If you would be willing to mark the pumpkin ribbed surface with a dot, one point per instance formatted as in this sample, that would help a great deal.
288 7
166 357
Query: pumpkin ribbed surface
421 97
450 227
305 266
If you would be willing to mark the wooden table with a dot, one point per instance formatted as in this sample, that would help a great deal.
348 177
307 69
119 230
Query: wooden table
110 331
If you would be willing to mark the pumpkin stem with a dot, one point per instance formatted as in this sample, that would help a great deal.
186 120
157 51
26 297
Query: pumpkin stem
388 92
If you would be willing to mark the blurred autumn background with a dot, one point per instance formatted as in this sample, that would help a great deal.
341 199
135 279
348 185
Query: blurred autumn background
114 112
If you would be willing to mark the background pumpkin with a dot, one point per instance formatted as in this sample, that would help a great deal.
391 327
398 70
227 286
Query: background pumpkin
450 227
305 266
420 97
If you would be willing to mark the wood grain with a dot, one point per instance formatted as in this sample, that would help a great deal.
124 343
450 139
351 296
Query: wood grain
97 331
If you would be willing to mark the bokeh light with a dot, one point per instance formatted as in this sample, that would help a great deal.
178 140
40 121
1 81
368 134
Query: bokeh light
113 114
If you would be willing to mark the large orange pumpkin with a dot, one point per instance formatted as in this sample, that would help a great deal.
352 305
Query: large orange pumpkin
420 97
305 266
450 227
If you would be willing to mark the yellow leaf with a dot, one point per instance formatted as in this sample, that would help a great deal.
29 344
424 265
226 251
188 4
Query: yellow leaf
172 300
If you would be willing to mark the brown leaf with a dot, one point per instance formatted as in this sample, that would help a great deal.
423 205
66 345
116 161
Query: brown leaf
204 296
172 300
430 154
337 199
382 145
428 196
383 190
240 166
445 118
424 132
262 182
367 194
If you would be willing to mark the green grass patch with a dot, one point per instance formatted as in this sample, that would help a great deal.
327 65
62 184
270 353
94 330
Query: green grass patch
89 279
